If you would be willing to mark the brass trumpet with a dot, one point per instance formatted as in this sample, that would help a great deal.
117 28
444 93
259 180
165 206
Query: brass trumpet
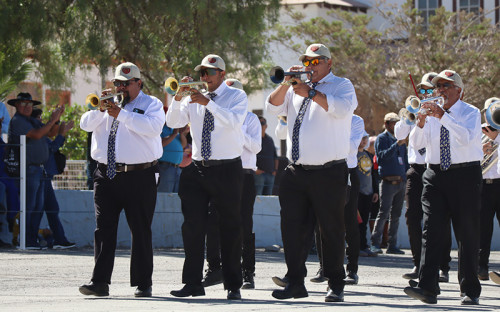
277 75
93 101
413 103
406 116
172 87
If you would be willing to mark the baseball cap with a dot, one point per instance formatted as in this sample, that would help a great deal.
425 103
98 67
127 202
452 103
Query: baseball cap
488 102
235 83
316 50
449 75
427 80
212 61
391 117
127 71
23 96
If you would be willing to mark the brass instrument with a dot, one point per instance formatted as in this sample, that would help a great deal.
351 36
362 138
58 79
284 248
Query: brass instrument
492 114
489 159
277 75
406 116
93 101
414 104
172 87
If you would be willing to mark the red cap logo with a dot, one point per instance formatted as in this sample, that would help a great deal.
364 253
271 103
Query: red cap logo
212 60
126 70
230 83
448 74
315 48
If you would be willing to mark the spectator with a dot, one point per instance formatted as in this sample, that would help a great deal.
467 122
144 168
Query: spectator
267 163
37 153
50 205
5 117
173 142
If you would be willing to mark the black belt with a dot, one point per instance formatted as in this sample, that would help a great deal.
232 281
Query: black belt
125 168
491 181
418 166
317 167
455 166
248 171
214 162
169 164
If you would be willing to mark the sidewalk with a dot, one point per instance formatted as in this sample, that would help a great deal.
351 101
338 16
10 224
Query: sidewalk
48 281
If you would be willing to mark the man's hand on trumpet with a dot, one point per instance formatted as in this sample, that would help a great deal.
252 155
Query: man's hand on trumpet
199 98
181 90
433 110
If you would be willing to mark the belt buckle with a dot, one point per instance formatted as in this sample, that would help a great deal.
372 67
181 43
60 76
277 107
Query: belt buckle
203 163
125 168
488 181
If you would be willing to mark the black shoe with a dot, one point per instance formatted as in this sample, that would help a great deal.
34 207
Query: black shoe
412 275
319 278
291 291
143 292
421 294
281 282
212 277
444 277
189 290
394 251
482 274
334 296
96 289
65 245
233 294
248 282
466 300
413 283
351 279
495 277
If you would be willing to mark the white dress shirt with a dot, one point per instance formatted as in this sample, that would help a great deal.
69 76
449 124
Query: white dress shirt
229 109
401 132
464 125
252 138
357 132
138 135
324 135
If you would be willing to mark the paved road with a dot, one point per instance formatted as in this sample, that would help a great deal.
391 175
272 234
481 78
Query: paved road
48 281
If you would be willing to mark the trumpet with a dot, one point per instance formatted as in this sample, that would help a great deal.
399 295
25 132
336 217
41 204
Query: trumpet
277 75
172 87
406 116
413 104
492 114
93 101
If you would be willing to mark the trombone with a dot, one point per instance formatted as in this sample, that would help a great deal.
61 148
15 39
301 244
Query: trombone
172 86
93 101
277 75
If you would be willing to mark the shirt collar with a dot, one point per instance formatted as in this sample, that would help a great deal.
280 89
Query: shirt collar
221 88
390 134
455 108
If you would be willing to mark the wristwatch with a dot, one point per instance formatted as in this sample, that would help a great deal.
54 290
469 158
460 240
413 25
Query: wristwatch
311 93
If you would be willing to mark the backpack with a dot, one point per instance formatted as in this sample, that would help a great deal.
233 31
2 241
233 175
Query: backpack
60 159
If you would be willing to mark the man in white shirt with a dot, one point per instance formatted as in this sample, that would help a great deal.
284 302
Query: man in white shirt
313 186
490 195
126 144
215 175
452 187
414 186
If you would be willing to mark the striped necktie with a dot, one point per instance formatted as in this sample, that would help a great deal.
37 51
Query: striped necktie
206 134
297 124
111 168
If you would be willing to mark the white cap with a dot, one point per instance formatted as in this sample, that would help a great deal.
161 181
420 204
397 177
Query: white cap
235 83
427 80
391 117
488 102
449 75
316 50
127 71
212 61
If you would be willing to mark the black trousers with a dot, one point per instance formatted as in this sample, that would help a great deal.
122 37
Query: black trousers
221 186
490 205
307 197
248 237
364 206
135 192
414 215
454 193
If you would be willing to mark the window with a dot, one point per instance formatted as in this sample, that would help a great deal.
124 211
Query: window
469 6
427 8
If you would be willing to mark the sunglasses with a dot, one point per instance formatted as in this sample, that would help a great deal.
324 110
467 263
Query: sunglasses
26 103
312 62
424 91
123 83
445 86
209 71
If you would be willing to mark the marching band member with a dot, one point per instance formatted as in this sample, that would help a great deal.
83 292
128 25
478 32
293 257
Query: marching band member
313 186
414 186
215 175
452 187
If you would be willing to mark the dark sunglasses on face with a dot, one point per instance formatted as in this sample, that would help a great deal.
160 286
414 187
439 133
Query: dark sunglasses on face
312 62
123 83
208 71
445 86
26 104
424 91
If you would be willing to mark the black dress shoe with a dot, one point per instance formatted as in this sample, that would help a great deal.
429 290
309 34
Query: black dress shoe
411 275
413 283
421 294
319 278
143 292
466 300
96 289
334 296
212 277
189 290
248 282
444 277
281 282
233 294
351 279
291 291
